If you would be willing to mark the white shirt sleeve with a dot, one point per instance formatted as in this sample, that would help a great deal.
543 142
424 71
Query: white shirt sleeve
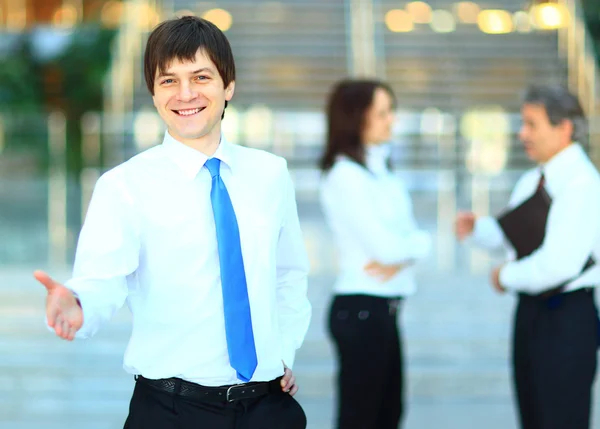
571 232
488 234
294 309
347 198
107 251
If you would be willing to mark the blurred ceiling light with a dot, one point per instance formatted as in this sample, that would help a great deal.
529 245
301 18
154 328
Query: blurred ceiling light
111 14
442 21
147 15
522 21
467 12
65 17
16 16
185 12
419 11
398 21
495 22
549 16
220 17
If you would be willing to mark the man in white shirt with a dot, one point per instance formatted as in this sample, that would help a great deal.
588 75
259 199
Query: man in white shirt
202 239
556 326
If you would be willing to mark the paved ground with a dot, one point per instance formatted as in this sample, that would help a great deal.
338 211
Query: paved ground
456 332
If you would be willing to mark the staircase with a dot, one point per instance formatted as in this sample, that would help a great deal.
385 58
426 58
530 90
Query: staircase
288 55
459 71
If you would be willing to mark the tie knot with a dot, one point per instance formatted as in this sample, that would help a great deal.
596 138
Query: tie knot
542 181
214 166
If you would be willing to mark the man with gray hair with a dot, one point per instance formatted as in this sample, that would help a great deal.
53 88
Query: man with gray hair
551 232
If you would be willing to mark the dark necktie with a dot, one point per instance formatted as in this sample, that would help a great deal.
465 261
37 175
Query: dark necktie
542 181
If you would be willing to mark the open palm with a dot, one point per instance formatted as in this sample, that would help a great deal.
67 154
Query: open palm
62 308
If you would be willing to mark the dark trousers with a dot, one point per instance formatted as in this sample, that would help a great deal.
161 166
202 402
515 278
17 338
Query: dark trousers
154 409
370 375
554 360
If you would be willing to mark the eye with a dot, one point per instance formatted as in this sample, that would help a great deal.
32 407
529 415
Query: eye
167 82
201 78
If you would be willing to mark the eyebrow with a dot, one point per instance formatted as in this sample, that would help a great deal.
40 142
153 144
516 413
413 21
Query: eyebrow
201 70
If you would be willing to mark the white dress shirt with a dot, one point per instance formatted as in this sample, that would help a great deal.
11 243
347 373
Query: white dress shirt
149 239
572 229
370 213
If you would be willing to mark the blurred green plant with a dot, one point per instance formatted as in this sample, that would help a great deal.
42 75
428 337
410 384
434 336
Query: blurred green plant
35 79
81 69
20 80
72 81
75 83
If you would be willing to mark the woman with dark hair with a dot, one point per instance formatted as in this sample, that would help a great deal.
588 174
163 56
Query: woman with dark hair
370 213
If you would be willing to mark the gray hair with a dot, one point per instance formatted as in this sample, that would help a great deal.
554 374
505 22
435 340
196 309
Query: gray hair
560 105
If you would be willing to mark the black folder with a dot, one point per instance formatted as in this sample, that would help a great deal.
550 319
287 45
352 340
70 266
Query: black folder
525 227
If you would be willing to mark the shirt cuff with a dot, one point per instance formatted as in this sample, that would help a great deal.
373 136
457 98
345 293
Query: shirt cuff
487 232
509 277
288 355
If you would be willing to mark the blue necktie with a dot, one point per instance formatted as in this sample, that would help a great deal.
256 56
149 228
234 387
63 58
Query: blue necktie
238 321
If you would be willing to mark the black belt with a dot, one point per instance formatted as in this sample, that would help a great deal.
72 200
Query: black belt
559 290
234 392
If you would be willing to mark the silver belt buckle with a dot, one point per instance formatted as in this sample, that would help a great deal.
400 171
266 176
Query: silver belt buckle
233 387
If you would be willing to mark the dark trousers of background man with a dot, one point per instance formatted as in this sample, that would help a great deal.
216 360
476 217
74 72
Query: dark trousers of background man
554 358
154 409
370 380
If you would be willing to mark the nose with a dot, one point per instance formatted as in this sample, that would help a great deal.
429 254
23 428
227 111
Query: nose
186 93
390 119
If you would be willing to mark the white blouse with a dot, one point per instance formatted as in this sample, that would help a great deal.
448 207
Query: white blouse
370 213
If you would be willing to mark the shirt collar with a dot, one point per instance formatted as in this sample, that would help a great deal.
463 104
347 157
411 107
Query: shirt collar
191 161
561 164
376 158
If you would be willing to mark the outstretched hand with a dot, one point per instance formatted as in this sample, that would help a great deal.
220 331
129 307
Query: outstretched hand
63 310
464 225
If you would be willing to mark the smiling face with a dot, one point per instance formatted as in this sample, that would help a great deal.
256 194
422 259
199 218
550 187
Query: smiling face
190 97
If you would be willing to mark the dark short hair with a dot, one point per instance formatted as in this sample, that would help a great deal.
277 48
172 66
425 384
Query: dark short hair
560 105
181 38
346 112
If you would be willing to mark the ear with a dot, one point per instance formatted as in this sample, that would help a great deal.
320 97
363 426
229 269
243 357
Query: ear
566 128
230 90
